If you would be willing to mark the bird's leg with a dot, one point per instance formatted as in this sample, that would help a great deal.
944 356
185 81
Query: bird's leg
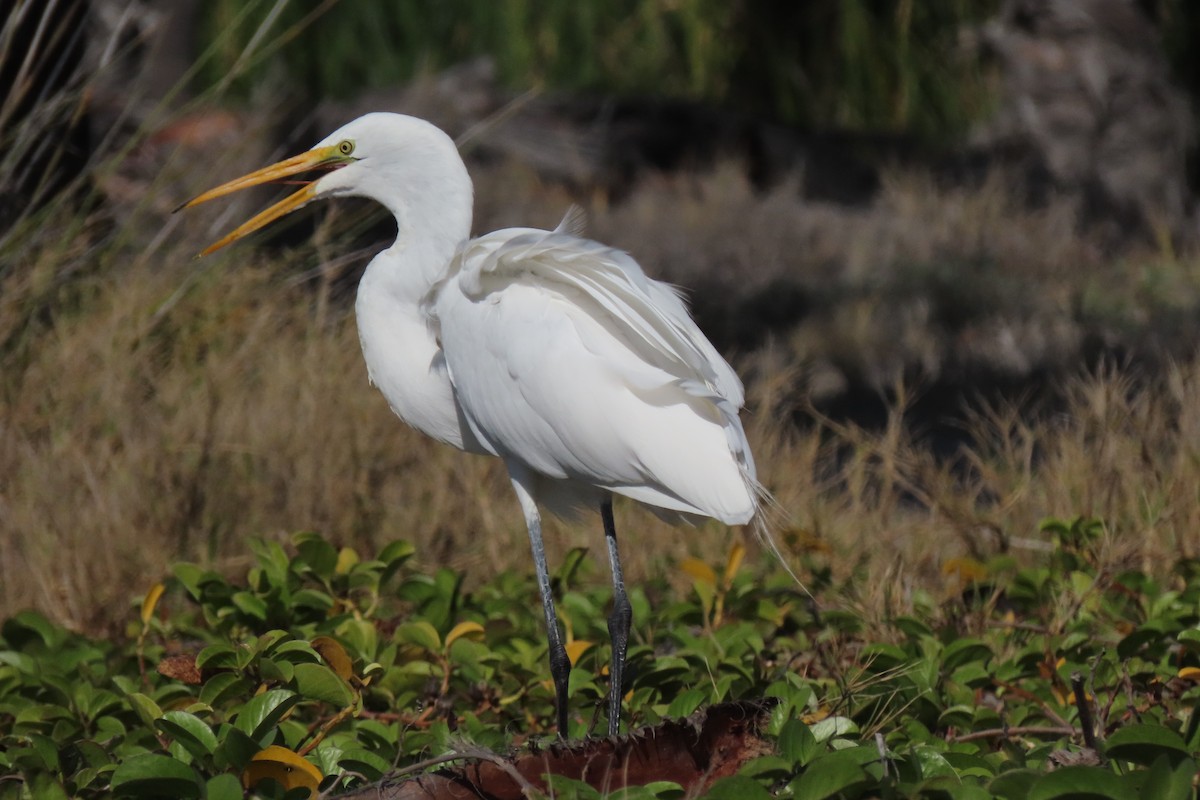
618 621
560 665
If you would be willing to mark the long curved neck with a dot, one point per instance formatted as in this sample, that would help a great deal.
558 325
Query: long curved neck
403 357
433 217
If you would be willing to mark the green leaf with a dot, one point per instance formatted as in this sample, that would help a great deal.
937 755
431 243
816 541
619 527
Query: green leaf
297 651
193 578
1190 639
882 657
319 682
270 670
221 687
190 731
146 709
970 765
311 598
569 567
217 656
235 749
317 553
46 751
223 787
933 763
365 762
960 651
828 728
393 557
828 775
360 636
43 787
1079 783
250 604
768 770
153 775
1169 780
421 634
260 714
686 702
737 787
26 626
797 743
1143 744
90 753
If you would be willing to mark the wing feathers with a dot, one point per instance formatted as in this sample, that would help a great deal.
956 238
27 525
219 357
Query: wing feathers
650 314
567 359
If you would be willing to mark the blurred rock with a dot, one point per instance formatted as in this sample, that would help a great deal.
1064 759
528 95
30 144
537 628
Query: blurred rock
1087 100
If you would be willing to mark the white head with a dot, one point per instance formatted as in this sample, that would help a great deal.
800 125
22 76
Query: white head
407 164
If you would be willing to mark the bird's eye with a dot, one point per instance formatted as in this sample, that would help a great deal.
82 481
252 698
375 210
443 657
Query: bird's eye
346 147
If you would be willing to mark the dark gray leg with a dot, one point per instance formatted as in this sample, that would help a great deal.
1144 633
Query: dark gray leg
618 621
560 665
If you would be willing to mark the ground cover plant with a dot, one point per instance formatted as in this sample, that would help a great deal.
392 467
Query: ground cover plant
322 669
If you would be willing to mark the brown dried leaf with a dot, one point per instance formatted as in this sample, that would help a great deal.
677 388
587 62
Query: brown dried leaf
181 668
695 752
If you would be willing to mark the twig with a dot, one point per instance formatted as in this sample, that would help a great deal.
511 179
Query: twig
1085 712
1033 698
421 766
484 754
1019 730
882 748
476 752
335 720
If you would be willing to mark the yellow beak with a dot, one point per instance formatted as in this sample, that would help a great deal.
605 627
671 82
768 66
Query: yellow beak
314 159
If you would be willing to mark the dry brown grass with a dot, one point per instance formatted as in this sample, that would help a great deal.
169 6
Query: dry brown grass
153 409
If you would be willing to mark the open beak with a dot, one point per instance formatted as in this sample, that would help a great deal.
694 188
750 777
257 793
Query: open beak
317 158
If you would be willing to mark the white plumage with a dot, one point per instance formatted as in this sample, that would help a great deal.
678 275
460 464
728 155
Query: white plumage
553 352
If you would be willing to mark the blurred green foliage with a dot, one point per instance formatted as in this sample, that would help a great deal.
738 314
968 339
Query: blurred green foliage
880 65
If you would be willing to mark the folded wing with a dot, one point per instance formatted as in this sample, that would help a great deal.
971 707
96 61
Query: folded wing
567 359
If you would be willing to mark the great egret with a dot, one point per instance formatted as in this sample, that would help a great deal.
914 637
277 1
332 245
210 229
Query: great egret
555 353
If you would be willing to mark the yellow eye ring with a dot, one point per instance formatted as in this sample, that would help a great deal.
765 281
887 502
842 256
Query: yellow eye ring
346 147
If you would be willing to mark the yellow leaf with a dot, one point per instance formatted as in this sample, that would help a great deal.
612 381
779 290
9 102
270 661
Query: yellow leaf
463 629
815 716
150 601
699 571
967 570
1190 674
335 656
577 648
734 562
291 770
347 558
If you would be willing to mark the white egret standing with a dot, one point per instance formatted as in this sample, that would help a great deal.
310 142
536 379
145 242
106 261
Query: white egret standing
552 352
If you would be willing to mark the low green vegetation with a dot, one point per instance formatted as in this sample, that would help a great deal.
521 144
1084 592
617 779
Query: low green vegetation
326 669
